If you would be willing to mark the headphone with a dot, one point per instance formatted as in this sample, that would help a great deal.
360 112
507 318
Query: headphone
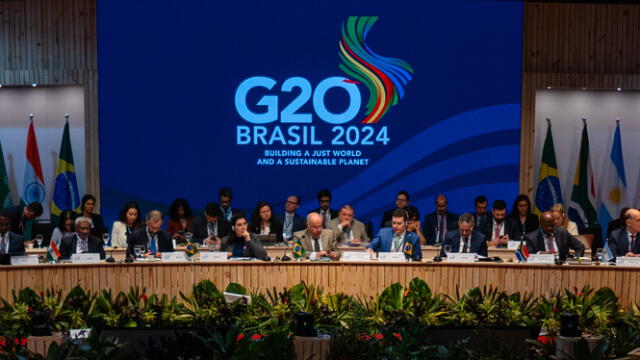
406 221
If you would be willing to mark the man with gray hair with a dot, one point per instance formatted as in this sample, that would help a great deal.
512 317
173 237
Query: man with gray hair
316 239
347 229
465 239
81 242
151 237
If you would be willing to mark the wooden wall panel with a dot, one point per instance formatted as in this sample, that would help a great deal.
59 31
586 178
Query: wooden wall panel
54 42
595 46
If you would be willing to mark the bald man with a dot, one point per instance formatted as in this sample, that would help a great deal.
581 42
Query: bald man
439 222
624 241
316 239
551 239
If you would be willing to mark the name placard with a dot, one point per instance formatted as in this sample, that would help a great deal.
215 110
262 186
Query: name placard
541 259
24 260
355 256
177 256
79 333
461 257
85 258
391 257
213 256
512 244
628 261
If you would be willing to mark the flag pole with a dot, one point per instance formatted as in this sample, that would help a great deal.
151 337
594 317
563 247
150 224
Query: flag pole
66 117
31 117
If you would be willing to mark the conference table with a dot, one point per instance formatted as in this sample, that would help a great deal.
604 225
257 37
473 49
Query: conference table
365 279
428 252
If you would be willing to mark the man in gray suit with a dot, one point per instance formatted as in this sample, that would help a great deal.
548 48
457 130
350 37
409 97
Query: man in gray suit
347 229
316 239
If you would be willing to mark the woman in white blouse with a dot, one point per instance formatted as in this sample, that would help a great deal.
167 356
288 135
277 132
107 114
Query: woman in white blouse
561 219
128 221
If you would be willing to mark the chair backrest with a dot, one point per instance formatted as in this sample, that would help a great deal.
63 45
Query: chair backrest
586 240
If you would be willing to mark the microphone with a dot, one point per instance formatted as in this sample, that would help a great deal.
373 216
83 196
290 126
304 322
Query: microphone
284 255
438 258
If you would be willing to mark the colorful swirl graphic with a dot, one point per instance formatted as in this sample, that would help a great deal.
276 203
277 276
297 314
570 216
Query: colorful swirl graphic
384 77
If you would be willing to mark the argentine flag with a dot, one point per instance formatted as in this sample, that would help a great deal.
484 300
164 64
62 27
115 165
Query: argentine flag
613 185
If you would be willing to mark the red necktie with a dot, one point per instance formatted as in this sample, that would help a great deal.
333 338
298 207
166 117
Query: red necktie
497 232
550 245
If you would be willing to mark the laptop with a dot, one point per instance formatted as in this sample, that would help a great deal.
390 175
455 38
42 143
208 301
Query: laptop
269 239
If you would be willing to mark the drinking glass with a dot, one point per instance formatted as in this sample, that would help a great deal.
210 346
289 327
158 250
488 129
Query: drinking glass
447 249
39 239
188 236
105 239
600 254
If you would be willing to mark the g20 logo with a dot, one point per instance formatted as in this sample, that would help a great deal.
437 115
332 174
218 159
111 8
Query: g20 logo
383 77
303 134
289 114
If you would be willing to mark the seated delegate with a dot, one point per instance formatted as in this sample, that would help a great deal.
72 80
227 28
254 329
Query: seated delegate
81 242
395 238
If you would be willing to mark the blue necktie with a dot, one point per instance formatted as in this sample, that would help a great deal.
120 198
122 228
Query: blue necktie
152 247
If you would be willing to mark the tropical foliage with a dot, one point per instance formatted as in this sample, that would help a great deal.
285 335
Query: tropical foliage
397 323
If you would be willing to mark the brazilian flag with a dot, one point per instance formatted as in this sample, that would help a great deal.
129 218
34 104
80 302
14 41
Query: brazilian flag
408 249
548 190
65 192
191 249
298 249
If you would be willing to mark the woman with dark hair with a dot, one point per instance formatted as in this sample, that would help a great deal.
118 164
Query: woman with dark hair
240 242
87 207
180 217
526 221
128 221
263 222
65 226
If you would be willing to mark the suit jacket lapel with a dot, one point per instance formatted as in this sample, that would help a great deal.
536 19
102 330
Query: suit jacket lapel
306 241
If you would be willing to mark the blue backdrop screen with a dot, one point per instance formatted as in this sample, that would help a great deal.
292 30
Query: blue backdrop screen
276 98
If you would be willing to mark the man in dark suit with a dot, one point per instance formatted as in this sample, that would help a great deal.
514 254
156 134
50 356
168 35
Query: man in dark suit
290 220
225 195
480 215
324 200
396 238
22 216
151 237
499 228
439 222
617 223
624 241
10 242
402 201
465 239
551 239
210 227
81 242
